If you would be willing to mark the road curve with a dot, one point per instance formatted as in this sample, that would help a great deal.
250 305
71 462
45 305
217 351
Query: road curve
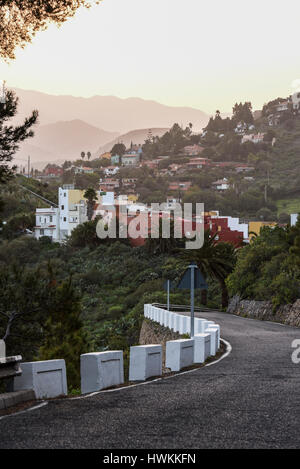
251 399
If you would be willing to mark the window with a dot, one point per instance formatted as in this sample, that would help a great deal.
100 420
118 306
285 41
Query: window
42 232
65 219
51 219
65 194
62 207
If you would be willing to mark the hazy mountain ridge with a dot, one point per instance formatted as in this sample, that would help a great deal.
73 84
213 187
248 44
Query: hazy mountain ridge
68 125
137 136
107 112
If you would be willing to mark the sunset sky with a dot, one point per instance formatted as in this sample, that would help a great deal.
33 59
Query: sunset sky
204 54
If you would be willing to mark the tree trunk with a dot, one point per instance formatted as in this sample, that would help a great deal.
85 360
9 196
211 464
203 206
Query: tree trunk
225 297
204 297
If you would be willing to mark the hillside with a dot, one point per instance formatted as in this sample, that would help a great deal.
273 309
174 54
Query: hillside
63 140
107 112
136 136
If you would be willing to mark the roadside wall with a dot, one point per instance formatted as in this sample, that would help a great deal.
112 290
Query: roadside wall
286 314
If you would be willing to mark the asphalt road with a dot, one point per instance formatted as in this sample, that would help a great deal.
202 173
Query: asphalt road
251 399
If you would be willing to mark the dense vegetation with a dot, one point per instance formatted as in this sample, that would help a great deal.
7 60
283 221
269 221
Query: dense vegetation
269 268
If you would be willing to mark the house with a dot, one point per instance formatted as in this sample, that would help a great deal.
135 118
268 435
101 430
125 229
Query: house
294 218
130 159
47 223
193 150
83 170
254 138
72 207
111 170
243 168
198 163
175 168
58 223
255 227
296 101
106 155
53 171
108 184
180 186
115 159
282 107
221 184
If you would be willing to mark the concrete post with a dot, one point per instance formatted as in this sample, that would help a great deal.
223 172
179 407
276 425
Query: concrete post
179 354
2 349
101 370
145 361
201 347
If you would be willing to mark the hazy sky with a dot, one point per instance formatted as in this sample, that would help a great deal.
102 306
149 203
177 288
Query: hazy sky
201 53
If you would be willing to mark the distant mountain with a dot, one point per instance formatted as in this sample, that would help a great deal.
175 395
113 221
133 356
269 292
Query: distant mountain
63 140
107 112
136 136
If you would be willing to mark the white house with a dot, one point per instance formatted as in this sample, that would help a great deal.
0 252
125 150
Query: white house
221 184
294 217
296 101
47 223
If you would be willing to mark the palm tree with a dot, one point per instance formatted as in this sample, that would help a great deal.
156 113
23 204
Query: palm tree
162 245
82 154
215 260
91 196
89 155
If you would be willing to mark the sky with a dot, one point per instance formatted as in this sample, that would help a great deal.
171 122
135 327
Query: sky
204 54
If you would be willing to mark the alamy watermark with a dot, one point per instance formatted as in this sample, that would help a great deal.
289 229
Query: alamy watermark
296 353
158 220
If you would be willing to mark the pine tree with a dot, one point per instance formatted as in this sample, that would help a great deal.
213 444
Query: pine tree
64 334
10 136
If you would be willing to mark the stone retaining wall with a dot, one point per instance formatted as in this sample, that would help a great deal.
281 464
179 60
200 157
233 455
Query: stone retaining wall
154 333
286 314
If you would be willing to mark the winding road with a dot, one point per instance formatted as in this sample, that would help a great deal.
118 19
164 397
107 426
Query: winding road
250 399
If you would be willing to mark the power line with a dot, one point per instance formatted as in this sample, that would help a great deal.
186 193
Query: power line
39 196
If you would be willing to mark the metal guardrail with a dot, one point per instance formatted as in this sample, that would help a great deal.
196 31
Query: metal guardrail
183 308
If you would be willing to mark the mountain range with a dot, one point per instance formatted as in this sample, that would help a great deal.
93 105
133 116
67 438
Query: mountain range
68 125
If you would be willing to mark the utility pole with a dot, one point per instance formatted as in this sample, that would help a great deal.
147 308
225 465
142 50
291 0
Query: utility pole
168 290
28 167
192 266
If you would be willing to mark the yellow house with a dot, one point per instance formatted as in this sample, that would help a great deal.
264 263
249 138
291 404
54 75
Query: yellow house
132 197
106 155
255 226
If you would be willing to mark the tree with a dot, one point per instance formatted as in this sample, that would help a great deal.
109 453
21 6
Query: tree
118 149
20 20
11 136
91 196
214 260
85 235
82 155
89 155
64 334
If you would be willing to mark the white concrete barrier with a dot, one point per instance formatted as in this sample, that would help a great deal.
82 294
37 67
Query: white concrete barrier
179 354
213 340
2 349
145 361
166 315
175 322
201 347
170 323
199 325
47 378
184 325
217 327
101 370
